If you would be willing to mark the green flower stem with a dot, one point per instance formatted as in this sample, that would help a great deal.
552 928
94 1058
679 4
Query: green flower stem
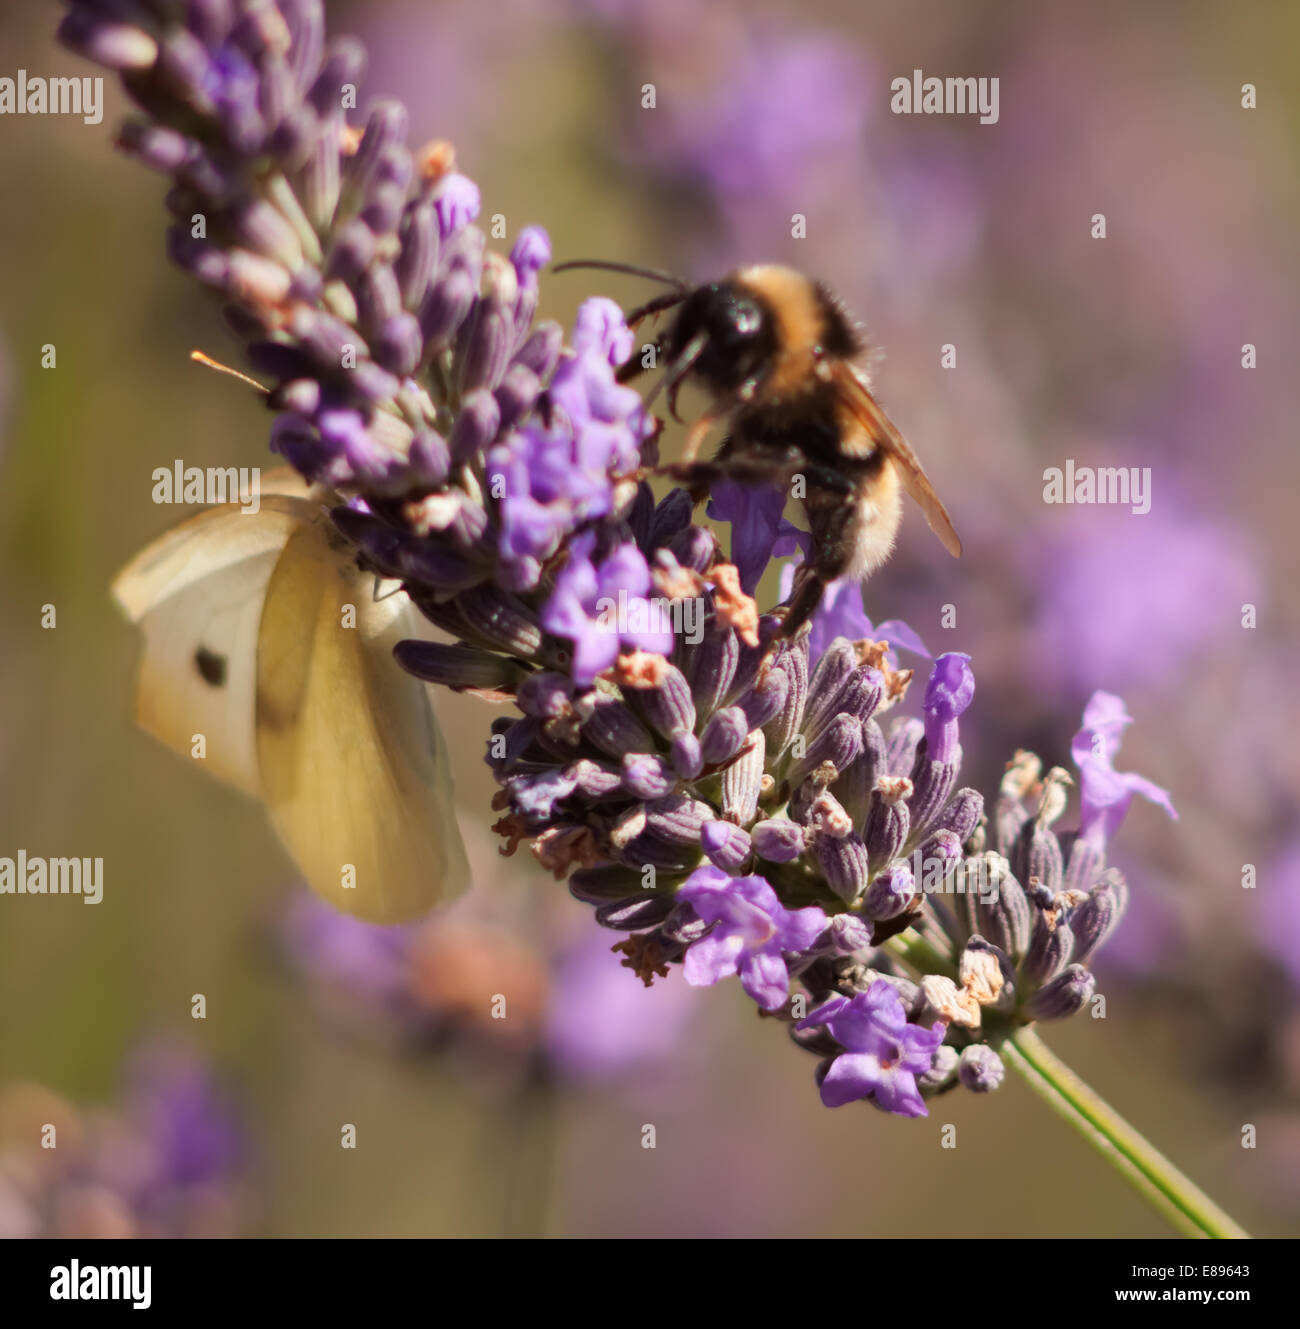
1180 1200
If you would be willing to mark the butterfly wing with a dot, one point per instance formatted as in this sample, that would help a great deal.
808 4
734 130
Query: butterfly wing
353 767
881 432
197 595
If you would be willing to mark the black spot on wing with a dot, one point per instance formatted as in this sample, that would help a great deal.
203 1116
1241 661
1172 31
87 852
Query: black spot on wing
211 667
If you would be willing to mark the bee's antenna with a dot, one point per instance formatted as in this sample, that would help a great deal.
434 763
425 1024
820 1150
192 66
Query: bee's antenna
654 274
210 363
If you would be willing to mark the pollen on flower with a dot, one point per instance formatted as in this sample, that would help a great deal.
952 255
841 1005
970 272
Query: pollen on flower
639 669
734 608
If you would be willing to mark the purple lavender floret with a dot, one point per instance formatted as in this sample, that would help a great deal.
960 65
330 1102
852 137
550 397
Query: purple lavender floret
725 798
882 1053
750 932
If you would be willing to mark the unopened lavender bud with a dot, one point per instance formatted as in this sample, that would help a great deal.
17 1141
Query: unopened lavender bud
614 729
646 775
446 306
687 759
839 743
935 861
501 619
671 515
846 934
398 345
594 781
1036 856
485 344
546 695
694 548
778 840
742 782
382 210
726 845
541 351
905 735
843 863
1001 912
680 820
669 705
782 728
887 818
1097 917
889 893
417 260
458 667
711 666
119 46
724 735
476 426
635 913
766 699
942 1069
430 459
838 661
456 202
1067 993
859 695
1085 863
1050 949
516 394
161 149
980 1068
933 782
684 925
601 885
961 814
351 253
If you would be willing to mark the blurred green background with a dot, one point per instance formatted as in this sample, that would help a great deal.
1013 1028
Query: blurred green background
194 877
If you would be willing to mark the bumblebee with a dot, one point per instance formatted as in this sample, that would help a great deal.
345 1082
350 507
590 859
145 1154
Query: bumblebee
779 357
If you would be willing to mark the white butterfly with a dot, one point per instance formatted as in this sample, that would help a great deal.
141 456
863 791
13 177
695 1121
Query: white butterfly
262 635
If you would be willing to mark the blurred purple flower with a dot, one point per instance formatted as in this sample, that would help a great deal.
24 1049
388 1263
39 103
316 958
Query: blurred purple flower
1138 598
600 1025
1278 912
187 1117
367 961
753 929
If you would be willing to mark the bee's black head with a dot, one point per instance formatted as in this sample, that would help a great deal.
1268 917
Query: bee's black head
737 332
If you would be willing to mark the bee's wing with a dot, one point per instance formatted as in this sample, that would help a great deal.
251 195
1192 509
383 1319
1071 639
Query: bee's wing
353 768
883 433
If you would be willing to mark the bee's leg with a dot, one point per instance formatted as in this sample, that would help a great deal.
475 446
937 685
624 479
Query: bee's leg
804 599
697 434
698 477
832 523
